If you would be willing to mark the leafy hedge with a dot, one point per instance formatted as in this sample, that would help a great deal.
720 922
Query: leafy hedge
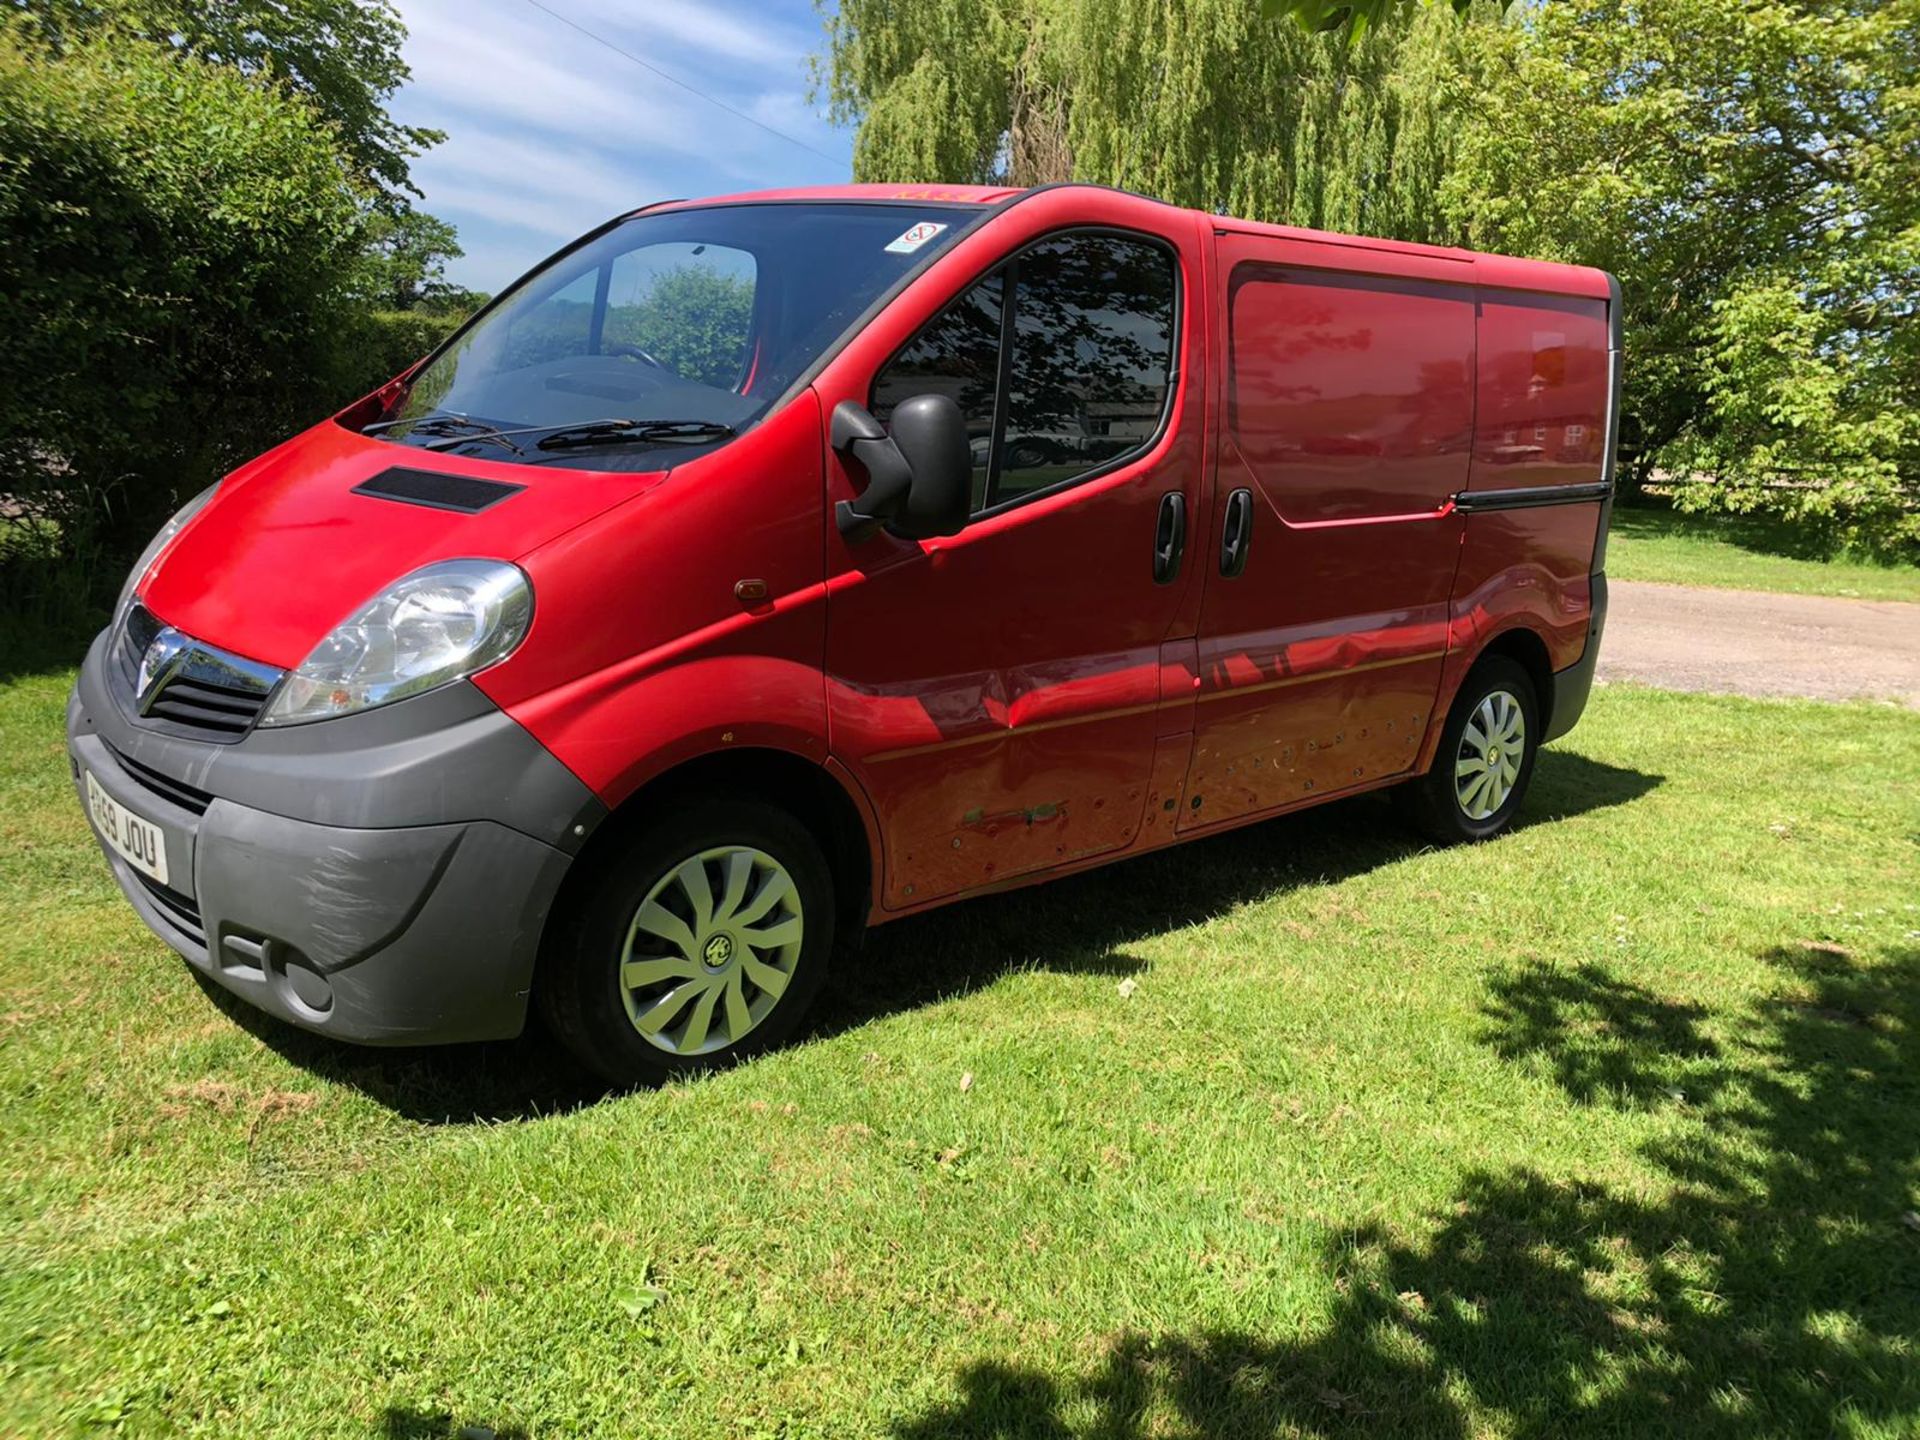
177 247
391 340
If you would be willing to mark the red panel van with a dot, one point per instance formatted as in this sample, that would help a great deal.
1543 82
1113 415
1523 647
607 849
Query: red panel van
763 567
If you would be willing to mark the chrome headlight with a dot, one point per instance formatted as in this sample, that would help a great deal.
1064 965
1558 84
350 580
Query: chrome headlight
442 622
154 546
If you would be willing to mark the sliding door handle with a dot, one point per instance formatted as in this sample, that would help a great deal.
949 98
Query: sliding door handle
1236 535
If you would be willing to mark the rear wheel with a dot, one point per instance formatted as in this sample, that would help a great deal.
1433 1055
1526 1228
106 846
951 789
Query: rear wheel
1485 759
700 938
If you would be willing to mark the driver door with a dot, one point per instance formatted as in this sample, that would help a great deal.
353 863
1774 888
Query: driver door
997 693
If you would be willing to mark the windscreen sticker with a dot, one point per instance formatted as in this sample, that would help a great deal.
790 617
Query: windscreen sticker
916 237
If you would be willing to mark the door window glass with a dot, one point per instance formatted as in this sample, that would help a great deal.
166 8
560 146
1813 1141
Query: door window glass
1090 363
957 355
1092 350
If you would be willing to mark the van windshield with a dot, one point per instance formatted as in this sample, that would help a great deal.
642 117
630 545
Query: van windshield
676 329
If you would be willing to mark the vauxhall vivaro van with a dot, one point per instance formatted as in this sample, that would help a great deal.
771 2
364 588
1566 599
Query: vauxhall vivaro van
764 567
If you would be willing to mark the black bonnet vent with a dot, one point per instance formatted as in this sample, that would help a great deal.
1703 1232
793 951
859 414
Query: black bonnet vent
437 490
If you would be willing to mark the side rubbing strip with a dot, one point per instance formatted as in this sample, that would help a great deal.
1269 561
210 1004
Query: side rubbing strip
437 490
1471 500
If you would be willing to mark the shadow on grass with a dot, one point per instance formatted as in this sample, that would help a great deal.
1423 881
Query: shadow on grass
29 649
1774 1288
1078 926
429 1425
1603 1039
1803 539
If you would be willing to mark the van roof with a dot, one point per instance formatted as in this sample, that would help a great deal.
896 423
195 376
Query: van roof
938 194
1504 271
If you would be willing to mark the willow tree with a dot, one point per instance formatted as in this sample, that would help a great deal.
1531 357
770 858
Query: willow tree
1208 103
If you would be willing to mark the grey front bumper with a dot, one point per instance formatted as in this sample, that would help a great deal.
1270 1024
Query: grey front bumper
364 880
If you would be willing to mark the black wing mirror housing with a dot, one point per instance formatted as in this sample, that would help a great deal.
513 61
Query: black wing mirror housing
918 477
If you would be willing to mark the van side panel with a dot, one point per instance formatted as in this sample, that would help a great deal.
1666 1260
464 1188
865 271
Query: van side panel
1542 403
1542 391
1349 422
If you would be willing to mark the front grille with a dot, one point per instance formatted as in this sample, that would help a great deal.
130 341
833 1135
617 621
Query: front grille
191 687
177 910
224 709
174 792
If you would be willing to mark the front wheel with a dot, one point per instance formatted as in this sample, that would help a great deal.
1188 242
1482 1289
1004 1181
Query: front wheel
1485 759
699 938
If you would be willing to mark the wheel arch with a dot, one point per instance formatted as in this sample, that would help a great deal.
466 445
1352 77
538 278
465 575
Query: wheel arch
1525 647
812 793
1517 641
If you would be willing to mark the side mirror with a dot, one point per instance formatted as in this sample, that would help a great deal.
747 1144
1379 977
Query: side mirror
918 478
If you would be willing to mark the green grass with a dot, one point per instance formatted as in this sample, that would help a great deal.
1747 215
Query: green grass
1744 552
1607 1128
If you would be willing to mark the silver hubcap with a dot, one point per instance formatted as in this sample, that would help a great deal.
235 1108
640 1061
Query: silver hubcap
1491 749
711 950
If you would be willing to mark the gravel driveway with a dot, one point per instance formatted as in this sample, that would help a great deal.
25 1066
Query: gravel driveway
1750 643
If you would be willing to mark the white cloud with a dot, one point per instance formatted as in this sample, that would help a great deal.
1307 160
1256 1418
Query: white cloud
550 132
696 26
509 68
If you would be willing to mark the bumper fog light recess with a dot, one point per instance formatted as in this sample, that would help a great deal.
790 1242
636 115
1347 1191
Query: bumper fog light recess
301 986
303 989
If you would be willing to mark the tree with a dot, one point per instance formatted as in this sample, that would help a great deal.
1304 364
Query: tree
1207 103
1747 168
1352 17
407 254
179 246
343 55
693 319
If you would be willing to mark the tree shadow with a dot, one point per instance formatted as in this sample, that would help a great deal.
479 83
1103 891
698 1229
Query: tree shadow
1653 518
1602 1038
1774 1288
1079 925
400 1423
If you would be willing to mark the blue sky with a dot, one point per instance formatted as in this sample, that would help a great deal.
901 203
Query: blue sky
549 133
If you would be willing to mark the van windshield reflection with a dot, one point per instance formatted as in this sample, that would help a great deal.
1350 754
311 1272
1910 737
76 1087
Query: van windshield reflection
675 329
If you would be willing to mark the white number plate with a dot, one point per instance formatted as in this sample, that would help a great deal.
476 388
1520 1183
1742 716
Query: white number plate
138 842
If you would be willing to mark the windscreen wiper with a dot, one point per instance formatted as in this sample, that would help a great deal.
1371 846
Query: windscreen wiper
456 430
616 432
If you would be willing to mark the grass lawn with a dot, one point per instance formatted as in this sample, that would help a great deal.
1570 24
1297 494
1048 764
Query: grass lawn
1741 552
1611 1127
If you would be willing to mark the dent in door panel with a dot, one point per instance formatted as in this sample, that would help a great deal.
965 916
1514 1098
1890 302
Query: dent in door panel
1280 723
983 787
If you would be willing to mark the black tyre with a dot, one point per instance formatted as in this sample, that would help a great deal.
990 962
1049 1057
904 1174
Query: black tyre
1485 759
698 938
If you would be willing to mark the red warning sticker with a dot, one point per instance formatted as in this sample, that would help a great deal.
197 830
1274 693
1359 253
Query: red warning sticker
914 238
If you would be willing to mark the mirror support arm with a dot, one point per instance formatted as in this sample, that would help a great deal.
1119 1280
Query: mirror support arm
854 433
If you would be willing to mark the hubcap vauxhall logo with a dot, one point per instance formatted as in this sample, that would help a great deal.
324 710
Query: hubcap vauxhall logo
157 665
719 950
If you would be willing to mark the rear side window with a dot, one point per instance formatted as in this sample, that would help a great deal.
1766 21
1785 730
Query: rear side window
1077 383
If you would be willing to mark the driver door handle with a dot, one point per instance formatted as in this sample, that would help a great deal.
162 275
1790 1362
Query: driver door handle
1170 537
